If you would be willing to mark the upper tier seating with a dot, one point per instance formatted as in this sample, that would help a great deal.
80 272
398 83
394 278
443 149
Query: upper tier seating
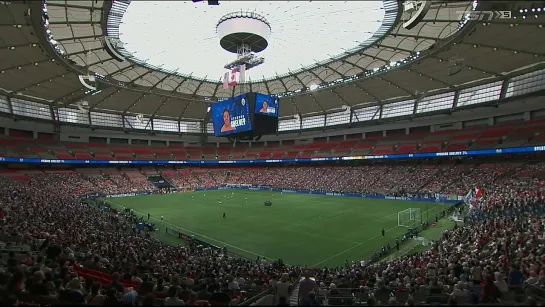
499 136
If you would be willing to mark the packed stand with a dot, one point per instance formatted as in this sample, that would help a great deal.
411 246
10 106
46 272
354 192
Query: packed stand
494 260
67 233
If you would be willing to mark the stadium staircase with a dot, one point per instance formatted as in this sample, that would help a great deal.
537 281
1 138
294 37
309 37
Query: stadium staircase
466 171
197 177
294 295
167 180
433 178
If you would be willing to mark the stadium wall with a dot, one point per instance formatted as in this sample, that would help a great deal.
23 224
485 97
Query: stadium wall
440 198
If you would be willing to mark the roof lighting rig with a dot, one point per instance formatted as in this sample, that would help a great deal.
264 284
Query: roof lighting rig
536 10
48 34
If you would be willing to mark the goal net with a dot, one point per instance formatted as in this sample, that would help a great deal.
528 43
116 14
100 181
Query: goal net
411 217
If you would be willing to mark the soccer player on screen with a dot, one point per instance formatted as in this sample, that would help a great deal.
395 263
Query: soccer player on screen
226 122
264 107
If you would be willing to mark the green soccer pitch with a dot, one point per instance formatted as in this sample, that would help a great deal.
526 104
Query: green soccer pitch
301 229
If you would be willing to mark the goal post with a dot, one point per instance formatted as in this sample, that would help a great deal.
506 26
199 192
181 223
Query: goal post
411 217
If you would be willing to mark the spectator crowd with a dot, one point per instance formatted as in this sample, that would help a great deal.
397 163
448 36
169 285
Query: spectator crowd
77 253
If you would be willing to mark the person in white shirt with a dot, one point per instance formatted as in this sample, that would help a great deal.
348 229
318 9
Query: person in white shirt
172 299
432 270
500 282
283 287
460 293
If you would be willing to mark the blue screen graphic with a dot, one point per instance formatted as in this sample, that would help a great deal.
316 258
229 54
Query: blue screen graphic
231 116
266 105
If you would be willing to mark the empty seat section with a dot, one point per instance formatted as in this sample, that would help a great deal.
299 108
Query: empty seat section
82 154
485 143
122 152
362 149
264 154
306 153
460 140
178 154
194 152
443 135
431 146
162 153
538 140
346 146
103 156
224 151
291 154
63 154
496 132
278 154
382 149
406 147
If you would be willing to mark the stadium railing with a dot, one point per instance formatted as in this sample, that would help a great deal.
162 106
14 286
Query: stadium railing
360 296
258 297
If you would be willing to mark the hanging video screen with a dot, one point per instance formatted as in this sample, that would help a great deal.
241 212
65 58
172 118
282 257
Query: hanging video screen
231 116
266 105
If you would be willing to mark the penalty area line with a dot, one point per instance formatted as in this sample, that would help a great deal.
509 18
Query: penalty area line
369 240
351 248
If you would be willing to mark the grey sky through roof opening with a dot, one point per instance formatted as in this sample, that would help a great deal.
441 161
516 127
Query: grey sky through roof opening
171 34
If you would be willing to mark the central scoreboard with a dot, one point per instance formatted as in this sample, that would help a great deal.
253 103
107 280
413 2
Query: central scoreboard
246 115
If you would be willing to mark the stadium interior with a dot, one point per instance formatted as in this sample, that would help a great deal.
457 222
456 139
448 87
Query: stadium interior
344 153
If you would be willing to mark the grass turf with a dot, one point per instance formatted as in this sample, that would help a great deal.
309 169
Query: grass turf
301 229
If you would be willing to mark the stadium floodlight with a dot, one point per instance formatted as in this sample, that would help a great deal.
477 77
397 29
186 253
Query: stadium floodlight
411 217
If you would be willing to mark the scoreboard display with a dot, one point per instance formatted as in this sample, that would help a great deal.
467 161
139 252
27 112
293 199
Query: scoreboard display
247 114
266 105
231 116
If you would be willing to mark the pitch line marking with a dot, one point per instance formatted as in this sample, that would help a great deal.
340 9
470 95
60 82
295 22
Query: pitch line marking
351 248
319 236
357 245
205 237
